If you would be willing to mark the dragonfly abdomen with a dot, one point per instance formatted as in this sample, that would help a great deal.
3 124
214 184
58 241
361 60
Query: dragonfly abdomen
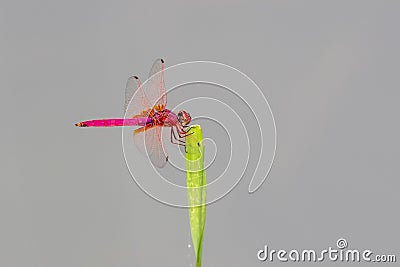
115 122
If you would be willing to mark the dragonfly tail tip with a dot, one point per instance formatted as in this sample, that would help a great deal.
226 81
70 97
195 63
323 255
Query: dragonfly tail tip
80 124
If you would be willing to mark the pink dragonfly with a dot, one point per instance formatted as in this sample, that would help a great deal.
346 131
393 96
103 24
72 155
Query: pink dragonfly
148 106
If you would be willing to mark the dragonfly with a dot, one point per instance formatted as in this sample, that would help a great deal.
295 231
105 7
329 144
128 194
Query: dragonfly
145 106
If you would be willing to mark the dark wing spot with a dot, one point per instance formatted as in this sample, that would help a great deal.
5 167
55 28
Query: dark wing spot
162 60
136 77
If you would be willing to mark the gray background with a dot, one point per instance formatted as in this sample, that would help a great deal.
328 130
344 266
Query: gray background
329 71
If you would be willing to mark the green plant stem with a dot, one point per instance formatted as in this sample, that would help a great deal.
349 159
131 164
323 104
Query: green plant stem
196 186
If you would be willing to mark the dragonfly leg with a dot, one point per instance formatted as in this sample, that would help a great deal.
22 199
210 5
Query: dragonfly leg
187 128
175 140
178 139
182 133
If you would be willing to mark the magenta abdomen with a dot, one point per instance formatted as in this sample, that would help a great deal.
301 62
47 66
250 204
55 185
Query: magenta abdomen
115 122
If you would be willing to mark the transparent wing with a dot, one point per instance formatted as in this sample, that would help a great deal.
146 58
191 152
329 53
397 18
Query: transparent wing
136 101
155 86
148 139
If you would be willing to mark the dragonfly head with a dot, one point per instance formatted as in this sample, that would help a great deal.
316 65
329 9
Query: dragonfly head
184 118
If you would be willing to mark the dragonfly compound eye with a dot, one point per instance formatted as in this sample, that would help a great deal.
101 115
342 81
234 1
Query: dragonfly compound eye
184 117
